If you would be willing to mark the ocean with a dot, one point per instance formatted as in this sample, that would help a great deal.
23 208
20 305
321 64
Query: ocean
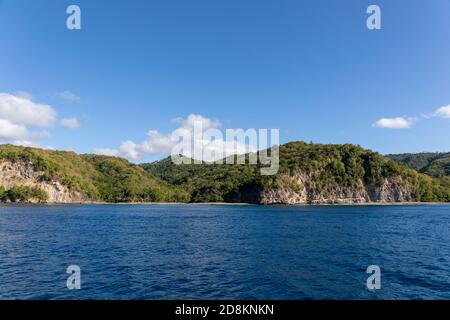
224 251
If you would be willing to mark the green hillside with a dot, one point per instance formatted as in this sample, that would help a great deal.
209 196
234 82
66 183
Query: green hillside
313 172
329 166
98 178
211 182
436 165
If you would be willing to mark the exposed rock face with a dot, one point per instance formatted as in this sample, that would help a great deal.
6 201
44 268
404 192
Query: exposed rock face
22 173
298 189
301 189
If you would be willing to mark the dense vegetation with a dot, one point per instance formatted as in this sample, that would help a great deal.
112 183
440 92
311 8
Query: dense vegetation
329 166
436 165
111 179
120 181
22 194
433 164
96 177
209 182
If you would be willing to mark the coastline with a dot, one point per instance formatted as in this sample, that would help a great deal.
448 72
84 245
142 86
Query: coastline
99 203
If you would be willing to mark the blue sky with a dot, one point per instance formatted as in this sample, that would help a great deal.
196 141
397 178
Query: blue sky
310 68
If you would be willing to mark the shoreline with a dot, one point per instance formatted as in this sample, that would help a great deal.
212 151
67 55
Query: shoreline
223 204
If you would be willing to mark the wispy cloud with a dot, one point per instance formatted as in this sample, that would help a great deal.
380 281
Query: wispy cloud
443 112
68 96
71 123
395 123
107 152
25 95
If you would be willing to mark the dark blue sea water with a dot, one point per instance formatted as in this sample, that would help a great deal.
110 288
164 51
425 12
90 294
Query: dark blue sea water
224 252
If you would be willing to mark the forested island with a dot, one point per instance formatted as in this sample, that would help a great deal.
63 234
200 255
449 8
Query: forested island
309 174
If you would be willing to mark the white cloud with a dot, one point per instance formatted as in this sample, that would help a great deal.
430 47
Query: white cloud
159 143
107 152
28 143
130 150
25 143
11 131
70 123
394 123
405 123
23 111
443 112
67 95
19 115
192 119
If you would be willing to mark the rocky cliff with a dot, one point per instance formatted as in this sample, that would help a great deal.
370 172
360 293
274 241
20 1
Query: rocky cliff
302 189
308 174
22 173
37 175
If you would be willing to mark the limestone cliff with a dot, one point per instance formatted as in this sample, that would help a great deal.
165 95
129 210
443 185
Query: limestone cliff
302 189
308 174
23 173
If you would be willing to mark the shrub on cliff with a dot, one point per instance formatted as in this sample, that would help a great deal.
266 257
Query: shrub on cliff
22 194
